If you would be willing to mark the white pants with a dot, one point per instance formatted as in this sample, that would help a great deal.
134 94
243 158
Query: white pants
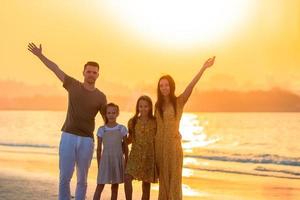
74 150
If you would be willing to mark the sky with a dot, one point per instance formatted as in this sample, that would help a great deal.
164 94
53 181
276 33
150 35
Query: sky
256 43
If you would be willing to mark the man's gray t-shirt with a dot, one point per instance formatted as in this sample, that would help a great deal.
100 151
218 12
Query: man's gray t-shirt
83 107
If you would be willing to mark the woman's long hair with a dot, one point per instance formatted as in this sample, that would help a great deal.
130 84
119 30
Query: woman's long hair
160 101
136 115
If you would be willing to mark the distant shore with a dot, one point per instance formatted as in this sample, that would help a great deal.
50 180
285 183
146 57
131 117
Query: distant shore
274 100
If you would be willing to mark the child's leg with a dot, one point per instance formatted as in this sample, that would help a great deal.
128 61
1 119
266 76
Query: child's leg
114 191
98 191
146 191
128 186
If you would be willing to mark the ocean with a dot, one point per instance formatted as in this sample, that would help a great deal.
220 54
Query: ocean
252 144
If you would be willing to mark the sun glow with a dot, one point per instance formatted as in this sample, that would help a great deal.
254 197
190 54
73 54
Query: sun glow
174 22
193 134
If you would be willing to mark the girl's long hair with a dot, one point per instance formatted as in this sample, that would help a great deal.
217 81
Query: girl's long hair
136 115
110 105
160 100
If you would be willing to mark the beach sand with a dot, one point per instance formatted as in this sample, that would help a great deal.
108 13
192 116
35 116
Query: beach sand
27 173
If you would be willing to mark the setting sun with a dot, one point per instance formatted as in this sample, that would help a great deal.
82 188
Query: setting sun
181 22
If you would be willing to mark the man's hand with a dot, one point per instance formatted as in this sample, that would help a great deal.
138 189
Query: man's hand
34 49
51 65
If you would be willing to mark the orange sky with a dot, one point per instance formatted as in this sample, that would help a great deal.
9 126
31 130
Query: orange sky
261 51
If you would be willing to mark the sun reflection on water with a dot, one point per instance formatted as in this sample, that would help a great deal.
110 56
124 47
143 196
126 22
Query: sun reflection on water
186 191
193 133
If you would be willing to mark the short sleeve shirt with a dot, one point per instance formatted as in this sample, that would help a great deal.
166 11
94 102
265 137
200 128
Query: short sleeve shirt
83 106
121 128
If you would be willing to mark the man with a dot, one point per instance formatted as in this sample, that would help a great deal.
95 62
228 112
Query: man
77 144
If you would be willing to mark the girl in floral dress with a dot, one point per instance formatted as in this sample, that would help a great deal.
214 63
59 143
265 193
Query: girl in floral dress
141 161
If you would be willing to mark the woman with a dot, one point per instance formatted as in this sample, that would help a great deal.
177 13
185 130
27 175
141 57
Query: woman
168 150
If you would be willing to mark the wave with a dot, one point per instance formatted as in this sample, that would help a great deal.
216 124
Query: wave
245 173
251 158
27 145
263 169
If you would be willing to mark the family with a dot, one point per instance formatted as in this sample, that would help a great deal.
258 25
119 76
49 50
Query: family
156 153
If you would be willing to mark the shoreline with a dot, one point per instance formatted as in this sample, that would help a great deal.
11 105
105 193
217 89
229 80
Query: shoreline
26 174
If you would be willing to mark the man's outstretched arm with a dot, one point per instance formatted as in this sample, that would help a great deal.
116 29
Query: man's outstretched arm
51 65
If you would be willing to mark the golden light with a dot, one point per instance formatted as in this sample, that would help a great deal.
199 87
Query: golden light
186 190
193 133
174 22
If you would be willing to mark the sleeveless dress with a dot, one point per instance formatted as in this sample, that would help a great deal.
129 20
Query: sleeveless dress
168 151
111 168
141 160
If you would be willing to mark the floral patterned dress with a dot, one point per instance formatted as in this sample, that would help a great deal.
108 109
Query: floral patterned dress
168 151
141 160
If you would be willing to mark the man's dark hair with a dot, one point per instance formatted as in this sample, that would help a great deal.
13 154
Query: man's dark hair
91 63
